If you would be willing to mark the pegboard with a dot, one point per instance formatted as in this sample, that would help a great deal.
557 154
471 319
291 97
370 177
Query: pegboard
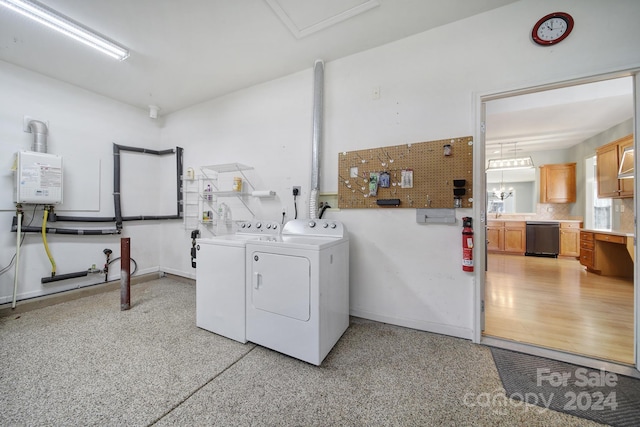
420 175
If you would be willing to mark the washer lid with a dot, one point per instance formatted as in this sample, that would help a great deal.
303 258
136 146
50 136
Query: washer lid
228 240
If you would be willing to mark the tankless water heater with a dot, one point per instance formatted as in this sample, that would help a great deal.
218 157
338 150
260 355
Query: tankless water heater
38 178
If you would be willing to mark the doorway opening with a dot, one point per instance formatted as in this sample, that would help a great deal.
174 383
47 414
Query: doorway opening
556 303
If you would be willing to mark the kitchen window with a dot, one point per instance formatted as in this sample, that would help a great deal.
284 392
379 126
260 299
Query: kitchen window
599 216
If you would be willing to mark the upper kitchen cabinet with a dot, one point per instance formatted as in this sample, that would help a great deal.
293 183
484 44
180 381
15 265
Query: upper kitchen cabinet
558 183
608 163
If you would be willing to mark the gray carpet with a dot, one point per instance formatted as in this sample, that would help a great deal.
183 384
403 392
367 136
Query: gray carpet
600 396
84 362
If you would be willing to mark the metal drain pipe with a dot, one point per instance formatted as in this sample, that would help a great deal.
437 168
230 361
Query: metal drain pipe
125 273
318 93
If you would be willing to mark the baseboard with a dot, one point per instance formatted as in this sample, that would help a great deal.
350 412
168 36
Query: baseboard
421 325
40 301
180 273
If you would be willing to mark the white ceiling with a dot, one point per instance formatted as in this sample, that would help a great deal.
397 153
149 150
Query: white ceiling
188 51
556 119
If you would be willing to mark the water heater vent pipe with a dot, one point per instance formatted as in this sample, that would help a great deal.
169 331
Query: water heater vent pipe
318 94
40 131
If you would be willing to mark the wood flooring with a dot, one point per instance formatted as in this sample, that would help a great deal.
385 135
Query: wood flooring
555 303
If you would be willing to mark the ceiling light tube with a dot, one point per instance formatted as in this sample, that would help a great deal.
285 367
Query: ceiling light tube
56 21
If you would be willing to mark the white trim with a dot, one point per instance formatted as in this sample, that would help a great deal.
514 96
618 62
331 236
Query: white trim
485 96
321 25
562 356
636 200
421 325
180 273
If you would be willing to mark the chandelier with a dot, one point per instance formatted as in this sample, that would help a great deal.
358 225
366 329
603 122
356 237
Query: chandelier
502 193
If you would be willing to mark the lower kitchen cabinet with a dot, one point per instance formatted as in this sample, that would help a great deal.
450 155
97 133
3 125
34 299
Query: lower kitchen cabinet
515 237
607 254
495 236
510 237
570 239
586 249
506 236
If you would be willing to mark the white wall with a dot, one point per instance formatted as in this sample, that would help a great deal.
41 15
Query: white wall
82 126
430 84
401 272
268 127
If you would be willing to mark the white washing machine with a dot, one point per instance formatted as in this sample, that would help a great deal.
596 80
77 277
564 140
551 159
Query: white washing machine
220 279
298 289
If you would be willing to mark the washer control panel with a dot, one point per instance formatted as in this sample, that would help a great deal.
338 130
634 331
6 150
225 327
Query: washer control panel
257 226
314 227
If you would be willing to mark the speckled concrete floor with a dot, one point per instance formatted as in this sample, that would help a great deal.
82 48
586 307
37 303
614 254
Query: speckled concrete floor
84 362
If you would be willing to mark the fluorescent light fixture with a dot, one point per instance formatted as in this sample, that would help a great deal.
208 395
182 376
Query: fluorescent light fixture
56 21
627 164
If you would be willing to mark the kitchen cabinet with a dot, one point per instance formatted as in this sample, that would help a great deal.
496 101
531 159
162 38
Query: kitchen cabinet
586 250
608 159
607 254
570 239
506 236
495 236
515 237
558 183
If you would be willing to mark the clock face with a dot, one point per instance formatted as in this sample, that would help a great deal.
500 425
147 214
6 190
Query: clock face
552 28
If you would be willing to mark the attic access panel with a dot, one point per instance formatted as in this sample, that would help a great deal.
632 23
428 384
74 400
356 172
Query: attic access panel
305 17
428 174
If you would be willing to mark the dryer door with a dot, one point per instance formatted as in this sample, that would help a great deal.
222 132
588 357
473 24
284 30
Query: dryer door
281 284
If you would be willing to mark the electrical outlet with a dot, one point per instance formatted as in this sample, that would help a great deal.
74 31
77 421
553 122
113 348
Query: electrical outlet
296 190
621 208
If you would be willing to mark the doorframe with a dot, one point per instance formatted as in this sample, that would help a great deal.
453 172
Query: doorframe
479 211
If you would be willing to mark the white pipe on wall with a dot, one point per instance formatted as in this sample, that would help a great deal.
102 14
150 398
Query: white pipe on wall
318 89
15 277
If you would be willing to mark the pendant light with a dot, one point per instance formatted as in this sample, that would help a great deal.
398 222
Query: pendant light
511 163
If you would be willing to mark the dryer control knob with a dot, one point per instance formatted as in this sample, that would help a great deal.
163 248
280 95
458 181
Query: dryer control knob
243 225
249 225
258 225
325 224
312 224
275 226
333 225
268 226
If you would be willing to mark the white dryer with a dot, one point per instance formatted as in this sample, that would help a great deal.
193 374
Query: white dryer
220 279
298 289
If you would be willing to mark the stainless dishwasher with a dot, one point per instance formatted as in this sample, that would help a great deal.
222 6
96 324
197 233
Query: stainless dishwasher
543 238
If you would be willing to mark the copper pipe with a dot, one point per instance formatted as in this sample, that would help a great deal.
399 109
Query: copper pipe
125 273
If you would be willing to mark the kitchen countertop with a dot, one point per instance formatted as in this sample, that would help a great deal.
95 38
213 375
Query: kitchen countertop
532 220
606 231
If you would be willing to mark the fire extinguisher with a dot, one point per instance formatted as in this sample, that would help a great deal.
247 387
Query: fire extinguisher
467 244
